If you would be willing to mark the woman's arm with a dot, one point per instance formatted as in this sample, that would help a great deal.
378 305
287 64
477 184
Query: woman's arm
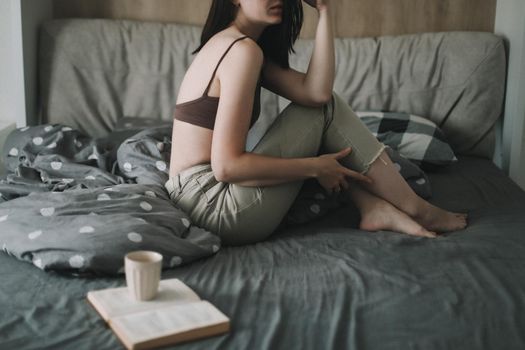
230 162
315 87
319 78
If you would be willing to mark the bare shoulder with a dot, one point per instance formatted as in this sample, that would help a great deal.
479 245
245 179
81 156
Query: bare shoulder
245 52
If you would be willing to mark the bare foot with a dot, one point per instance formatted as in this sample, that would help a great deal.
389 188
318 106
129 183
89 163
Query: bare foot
439 220
381 215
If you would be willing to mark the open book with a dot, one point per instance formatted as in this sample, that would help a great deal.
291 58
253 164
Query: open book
176 314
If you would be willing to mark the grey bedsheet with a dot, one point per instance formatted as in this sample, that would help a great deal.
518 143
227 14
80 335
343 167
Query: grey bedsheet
326 285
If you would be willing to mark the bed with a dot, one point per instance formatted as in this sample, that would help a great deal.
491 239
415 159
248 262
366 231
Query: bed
323 284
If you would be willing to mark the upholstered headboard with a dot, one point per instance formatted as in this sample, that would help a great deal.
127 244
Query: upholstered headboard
94 72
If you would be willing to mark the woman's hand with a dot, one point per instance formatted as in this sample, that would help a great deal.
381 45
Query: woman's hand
332 175
318 4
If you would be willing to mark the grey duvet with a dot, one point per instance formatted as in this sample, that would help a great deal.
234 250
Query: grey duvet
68 206
321 285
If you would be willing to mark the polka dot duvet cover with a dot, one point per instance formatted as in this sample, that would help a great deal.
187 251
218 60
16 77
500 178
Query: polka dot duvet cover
76 204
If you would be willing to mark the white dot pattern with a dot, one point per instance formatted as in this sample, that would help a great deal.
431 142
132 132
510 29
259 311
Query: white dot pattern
66 128
34 234
146 206
103 197
3 218
150 194
56 165
24 128
48 128
90 177
315 208
185 222
135 237
175 261
397 166
86 229
52 145
47 211
13 152
38 141
127 166
38 263
160 146
68 181
76 261
93 156
421 181
160 165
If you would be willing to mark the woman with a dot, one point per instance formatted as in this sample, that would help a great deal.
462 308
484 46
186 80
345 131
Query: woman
244 196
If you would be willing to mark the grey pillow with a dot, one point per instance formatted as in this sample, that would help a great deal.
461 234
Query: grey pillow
314 202
415 138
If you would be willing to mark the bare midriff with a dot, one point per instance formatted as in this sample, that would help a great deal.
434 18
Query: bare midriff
190 146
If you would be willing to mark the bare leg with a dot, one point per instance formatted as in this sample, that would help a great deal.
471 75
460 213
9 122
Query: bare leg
391 186
378 214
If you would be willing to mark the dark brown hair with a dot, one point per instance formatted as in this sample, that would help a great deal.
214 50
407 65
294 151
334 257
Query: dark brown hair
276 40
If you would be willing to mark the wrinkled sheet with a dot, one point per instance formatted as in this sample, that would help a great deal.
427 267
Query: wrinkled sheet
76 204
326 285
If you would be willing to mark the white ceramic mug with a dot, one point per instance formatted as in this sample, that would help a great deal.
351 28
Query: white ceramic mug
143 270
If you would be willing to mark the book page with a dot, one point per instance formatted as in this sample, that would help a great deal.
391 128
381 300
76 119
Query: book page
147 325
114 302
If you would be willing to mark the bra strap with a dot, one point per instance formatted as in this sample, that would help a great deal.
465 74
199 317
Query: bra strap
220 60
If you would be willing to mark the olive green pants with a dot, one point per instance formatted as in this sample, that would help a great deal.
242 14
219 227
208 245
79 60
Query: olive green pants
243 215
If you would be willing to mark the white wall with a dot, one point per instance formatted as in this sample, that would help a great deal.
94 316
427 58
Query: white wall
510 23
12 96
19 22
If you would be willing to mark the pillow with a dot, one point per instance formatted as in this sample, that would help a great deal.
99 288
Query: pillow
416 138
314 202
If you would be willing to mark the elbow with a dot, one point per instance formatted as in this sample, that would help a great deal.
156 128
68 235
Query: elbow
220 173
222 170
320 100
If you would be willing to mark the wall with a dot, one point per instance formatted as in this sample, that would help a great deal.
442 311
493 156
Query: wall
19 21
34 12
510 23
354 18
12 96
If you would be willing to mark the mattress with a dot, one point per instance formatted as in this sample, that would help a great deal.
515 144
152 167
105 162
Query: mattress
327 284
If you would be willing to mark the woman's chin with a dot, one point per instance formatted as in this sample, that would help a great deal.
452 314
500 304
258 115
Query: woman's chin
275 20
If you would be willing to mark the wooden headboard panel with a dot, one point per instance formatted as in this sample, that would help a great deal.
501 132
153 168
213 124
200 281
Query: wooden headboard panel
354 18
